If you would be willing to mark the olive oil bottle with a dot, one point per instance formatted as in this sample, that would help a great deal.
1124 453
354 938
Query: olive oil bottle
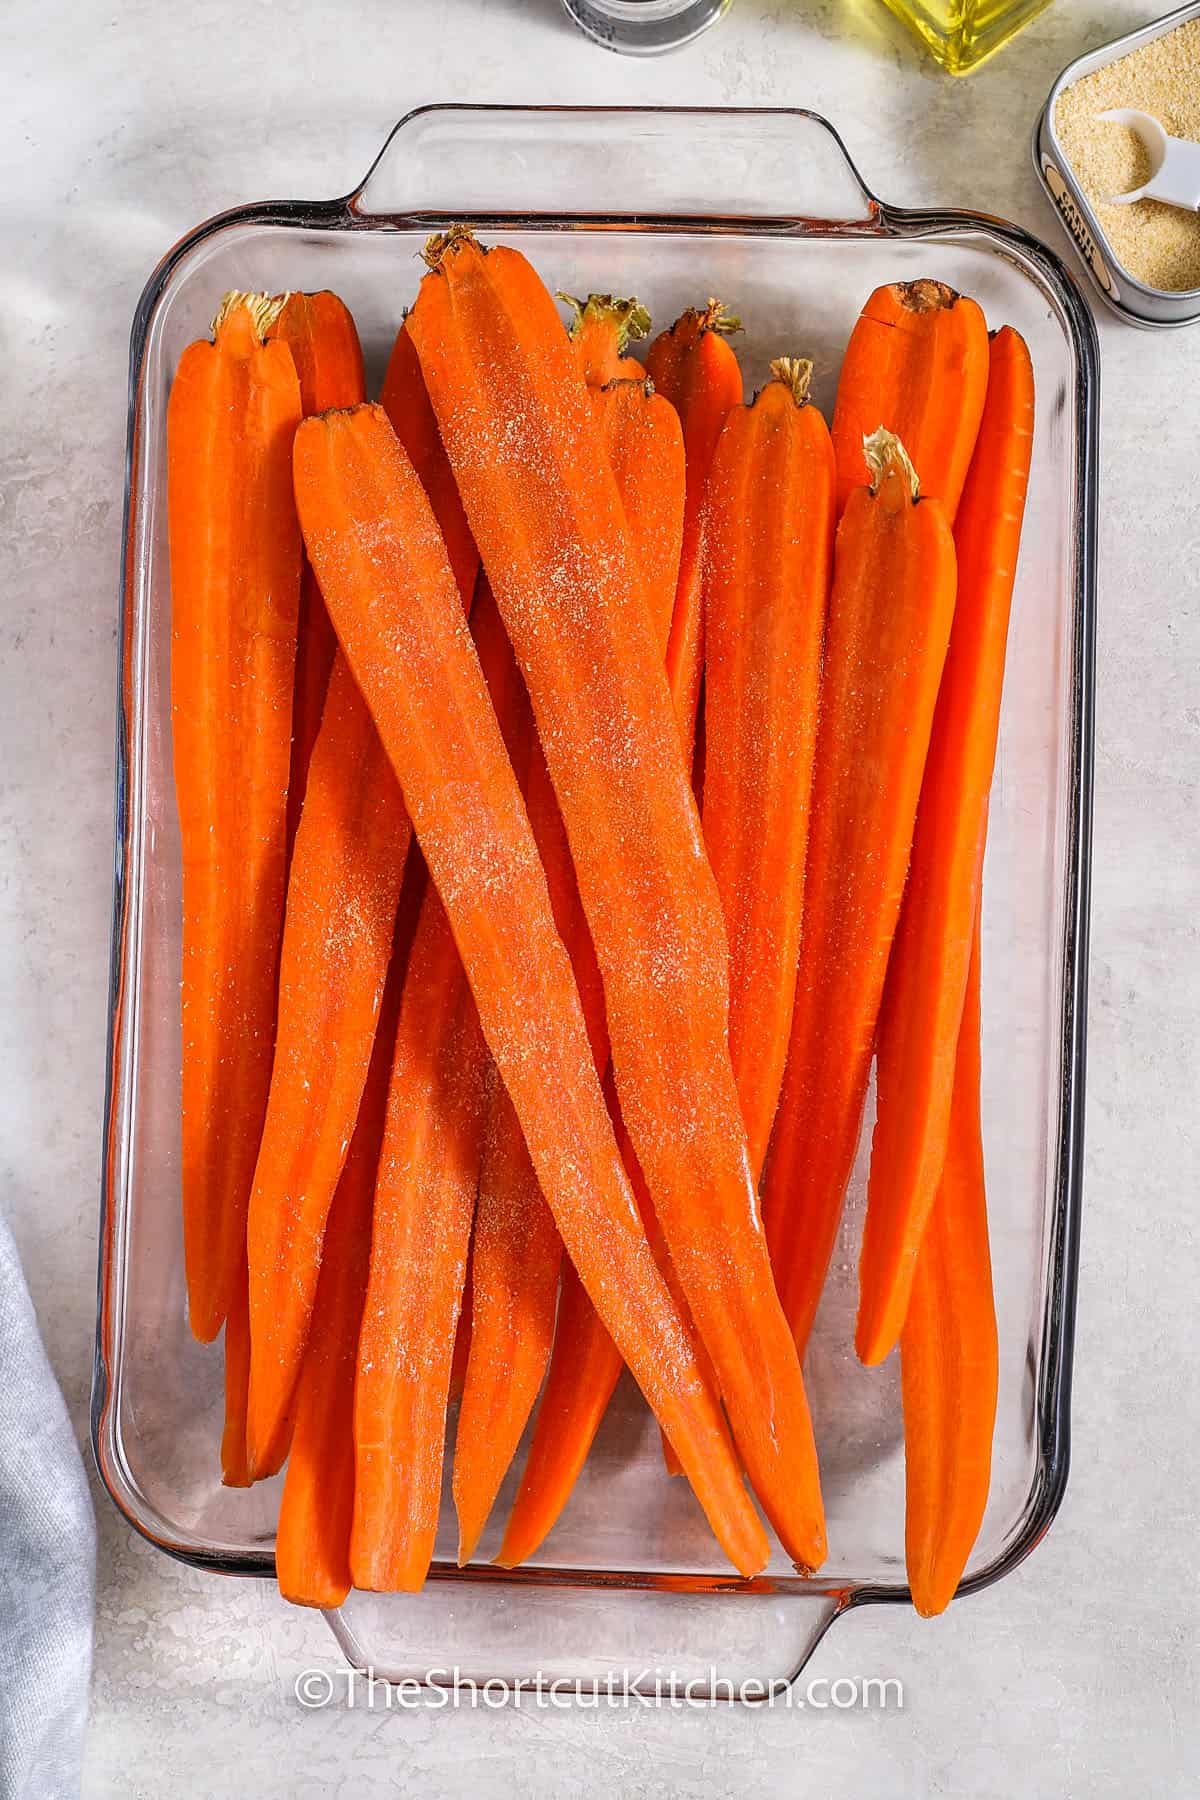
960 34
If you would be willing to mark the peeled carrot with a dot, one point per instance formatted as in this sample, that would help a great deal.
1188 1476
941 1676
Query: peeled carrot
601 329
694 366
516 1250
889 621
235 582
312 1542
769 551
927 974
388 585
320 333
949 1361
348 863
643 442
424 1201
916 364
406 402
342 897
584 1370
520 433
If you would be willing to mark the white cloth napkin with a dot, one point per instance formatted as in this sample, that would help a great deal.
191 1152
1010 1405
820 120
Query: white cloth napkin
47 1561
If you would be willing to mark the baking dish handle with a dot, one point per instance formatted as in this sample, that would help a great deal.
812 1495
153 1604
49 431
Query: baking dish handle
550 1638
777 164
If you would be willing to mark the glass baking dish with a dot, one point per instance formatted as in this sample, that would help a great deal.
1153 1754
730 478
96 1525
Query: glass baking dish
765 209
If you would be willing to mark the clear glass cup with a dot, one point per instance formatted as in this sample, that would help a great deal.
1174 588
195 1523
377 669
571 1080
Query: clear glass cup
645 27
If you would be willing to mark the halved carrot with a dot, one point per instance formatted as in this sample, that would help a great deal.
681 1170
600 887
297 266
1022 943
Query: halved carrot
643 441
520 433
694 366
949 1360
516 1249
390 591
917 365
424 1201
320 333
889 621
345 883
927 974
601 329
312 1541
348 862
406 402
769 523
235 586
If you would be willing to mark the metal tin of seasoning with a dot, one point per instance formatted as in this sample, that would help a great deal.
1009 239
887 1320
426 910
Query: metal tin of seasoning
1125 294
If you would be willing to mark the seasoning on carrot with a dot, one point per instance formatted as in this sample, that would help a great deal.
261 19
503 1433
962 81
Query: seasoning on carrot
643 442
516 1249
889 621
320 333
424 1202
694 366
949 1364
769 551
312 1543
235 582
387 582
348 863
916 364
405 401
235 1469
342 897
520 433
927 974
601 329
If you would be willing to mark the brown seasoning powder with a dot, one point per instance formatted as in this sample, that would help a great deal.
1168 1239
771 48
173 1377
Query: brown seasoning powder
1159 245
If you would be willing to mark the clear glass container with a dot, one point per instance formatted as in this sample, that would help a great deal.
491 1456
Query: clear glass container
645 27
765 210
961 34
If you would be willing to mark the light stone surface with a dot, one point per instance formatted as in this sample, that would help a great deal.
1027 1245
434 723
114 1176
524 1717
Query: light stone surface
122 126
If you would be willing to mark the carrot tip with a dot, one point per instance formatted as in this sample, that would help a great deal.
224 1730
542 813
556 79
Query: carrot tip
442 243
630 317
795 372
264 309
885 455
926 295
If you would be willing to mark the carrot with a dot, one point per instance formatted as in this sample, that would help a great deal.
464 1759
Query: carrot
520 433
917 364
312 1542
516 1249
235 1470
889 621
388 585
694 366
948 1351
347 870
348 863
769 551
601 329
424 1202
235 583
320 333
584 1370
405 401
643 442
927 975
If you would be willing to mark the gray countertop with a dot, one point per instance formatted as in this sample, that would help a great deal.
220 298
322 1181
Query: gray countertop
124 125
